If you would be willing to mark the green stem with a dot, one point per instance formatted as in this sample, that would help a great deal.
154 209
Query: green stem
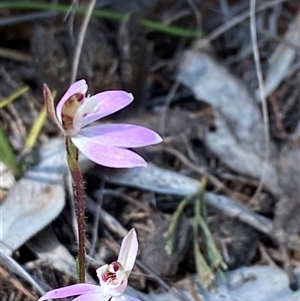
170 234
204 272
72 156
103 13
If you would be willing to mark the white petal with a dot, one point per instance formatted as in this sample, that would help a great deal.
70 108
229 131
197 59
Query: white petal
78 87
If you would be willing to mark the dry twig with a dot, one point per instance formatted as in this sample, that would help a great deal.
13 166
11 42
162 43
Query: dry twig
16 283
235 21
262 95
201 171
80 41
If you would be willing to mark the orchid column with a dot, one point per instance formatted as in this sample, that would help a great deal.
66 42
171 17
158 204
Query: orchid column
104 144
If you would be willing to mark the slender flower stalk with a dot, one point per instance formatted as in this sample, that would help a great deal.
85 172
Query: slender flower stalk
72 158
105 144
113 278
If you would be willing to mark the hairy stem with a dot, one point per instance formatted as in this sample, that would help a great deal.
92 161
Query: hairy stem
72 156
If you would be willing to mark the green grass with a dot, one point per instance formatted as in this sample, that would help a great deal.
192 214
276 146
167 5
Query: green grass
101 13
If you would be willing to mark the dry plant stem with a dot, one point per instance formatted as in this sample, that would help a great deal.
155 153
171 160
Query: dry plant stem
265 257
238 19
202 172
287 265
14 55
192 289
138 205
262 94
82 33
197 14
72 156
15 283
280 130
15 268
174 291
169 98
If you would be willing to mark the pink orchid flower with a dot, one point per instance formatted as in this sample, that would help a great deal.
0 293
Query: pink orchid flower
104 144
113 278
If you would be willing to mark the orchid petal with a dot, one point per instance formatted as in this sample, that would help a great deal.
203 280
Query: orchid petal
49 102
124 298
100 272
78 87
128 251
115 290
121 135
122 279
104 103
88 107
71 290
112 288
92 297
106 155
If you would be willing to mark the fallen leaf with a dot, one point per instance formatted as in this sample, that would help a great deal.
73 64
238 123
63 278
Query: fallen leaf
238 139
36 199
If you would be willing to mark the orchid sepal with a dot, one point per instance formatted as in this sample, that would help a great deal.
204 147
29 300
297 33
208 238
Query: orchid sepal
71 290
128 251
49 103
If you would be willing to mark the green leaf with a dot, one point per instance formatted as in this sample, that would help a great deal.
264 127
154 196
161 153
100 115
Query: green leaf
13 96
7 155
